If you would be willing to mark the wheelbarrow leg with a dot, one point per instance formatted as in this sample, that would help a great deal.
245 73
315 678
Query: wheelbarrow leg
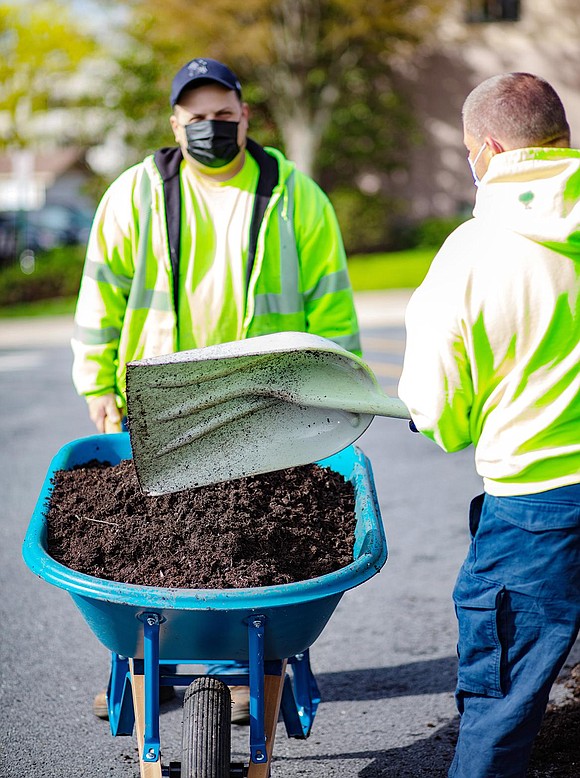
273 685
146 769
145 688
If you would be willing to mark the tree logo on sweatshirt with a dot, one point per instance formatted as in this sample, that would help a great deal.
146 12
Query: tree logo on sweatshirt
526 199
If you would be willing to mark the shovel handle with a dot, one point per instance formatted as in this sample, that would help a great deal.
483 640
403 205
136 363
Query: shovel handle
112 426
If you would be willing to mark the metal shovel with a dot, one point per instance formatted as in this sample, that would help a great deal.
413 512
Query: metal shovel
252 406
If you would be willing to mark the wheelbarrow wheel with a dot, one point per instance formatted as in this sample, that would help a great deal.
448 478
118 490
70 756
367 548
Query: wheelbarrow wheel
206 736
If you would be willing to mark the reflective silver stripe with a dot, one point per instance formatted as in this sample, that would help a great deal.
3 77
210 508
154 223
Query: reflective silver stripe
91 336
349 342
151 299
140 297
333 282
265 304
104 275
290 299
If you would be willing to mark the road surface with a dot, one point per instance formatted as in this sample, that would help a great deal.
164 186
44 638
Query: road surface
385 663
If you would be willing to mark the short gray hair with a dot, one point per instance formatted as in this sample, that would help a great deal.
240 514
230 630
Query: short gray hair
518 108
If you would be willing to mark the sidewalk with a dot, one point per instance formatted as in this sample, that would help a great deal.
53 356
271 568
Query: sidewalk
384 308
35 331
375 309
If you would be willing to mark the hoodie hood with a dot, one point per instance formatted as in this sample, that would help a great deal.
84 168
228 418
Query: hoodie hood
534 192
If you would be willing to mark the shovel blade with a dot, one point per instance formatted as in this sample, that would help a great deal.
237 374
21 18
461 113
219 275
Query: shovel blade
244 408
254 440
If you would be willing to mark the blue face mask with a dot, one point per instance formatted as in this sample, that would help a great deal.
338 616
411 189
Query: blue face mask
474 163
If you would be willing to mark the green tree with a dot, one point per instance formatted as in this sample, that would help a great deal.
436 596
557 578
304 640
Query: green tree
297 59
41 49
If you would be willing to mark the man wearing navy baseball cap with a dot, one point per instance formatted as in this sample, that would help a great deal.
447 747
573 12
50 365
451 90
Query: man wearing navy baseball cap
200 71
209 119
210 241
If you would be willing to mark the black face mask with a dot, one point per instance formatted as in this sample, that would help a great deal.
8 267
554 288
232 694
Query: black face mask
211 142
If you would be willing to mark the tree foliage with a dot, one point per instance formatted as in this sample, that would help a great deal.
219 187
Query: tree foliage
40 48
307 66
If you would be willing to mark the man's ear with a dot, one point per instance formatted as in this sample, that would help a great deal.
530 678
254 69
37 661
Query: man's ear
244 125
174 126
494 145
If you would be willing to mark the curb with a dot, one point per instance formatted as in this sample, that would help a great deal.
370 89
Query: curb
375 309
35 331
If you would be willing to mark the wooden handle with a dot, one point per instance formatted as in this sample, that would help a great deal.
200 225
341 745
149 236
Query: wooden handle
112 426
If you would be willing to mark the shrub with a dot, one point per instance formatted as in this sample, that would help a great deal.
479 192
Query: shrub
56 273
375 222
365 220
431 233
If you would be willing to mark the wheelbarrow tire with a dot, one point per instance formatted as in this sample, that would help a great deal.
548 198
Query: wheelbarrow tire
206 736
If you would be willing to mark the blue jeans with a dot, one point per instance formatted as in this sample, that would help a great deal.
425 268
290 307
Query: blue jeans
517 599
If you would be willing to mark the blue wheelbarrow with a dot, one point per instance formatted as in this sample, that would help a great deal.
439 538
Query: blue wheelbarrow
257 636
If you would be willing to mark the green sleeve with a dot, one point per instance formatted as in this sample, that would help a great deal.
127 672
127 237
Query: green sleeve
104 290
328 296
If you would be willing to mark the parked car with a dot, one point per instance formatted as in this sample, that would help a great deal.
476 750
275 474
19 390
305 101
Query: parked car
8 238
40 230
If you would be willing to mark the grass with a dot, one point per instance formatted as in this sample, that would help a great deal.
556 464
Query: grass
56 307
395 270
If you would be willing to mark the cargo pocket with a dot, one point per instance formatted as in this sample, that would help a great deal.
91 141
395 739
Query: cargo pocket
477 605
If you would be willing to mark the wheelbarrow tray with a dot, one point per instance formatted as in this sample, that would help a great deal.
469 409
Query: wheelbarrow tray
208 623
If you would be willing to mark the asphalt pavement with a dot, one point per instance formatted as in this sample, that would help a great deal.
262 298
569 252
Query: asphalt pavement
385 663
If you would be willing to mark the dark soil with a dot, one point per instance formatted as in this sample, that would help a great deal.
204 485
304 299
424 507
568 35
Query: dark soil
277 528
271 529
557 747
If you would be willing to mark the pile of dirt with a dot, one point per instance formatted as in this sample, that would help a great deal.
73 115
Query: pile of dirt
556 749
277 528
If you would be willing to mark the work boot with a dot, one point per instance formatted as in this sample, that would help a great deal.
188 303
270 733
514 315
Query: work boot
101 711
240 704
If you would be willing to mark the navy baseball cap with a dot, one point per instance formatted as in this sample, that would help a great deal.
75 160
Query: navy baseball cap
203 70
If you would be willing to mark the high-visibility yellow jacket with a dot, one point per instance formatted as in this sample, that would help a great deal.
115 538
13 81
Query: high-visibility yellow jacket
125 311
493 332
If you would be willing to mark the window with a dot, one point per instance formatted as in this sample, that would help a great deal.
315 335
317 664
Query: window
493 11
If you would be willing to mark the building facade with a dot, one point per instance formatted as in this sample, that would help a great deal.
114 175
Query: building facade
477 39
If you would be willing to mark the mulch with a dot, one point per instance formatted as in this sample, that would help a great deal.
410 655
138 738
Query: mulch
556 752
276 528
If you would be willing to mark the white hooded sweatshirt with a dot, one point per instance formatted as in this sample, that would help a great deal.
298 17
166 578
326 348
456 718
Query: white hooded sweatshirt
493 332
